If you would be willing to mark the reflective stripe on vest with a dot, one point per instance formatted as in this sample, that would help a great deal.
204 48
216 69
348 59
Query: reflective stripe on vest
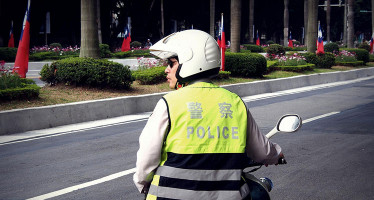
204 152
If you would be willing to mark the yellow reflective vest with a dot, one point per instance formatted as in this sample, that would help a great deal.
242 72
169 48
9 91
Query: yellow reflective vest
204 151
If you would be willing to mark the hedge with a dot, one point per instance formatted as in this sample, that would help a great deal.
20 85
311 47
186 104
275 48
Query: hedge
326 60
245 64
134 53
8 54
27 90
223 75
275 49
361 54
331 47
353 64
298 68
87 72
253 48
152 75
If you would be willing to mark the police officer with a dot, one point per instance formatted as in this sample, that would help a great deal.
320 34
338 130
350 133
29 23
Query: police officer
199 137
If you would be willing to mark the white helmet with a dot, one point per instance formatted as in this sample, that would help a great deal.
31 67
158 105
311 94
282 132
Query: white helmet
197 51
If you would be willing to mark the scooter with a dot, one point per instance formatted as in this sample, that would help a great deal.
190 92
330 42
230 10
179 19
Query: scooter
259 188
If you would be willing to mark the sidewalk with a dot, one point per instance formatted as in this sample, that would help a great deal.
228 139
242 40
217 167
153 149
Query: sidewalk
57 115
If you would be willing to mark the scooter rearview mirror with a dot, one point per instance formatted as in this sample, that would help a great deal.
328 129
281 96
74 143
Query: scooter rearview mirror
287 124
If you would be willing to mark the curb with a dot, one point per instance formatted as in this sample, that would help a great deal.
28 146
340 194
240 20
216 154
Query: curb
63 114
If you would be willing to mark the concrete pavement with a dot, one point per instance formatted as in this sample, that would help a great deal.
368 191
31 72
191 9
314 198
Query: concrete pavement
57 115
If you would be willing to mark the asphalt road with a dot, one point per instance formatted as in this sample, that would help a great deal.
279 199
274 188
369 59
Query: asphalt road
329 158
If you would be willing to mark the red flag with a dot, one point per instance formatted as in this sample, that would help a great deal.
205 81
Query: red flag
21 65
258 40
219 35
290 44
223 46
371 43
11 37
126 40
320 49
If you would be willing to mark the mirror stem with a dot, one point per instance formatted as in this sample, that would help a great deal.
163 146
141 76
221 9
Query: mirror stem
272 132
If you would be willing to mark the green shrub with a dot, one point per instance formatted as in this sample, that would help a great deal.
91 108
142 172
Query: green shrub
296 43
364 46
134 53
245 64
326 60
270 42
152 75
253 48
136 44
223 75
45 55
331 47
275 49
13 87
371 58
8 54
55 45
351 63
297 68
361 54
27 91
105 51
88 72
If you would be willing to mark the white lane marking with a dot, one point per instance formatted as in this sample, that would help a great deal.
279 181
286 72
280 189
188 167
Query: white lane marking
73 128
84 185
300 90
320 117
126 172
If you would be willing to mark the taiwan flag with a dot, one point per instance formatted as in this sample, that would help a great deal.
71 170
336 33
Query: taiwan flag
258 40
21 65
126 40
11 37
219 35
371 43
223 45
290 44
320 49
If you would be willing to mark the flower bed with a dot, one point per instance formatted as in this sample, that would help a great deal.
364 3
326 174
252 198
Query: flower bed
294 62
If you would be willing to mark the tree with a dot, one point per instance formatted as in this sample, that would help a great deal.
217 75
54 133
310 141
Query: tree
312 25
89 29
305 20
350 29
162 32
372 17
236 7
285 23
328 13
212 17
251 19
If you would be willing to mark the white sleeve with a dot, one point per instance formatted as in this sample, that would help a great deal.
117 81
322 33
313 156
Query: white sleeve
150 144
259 148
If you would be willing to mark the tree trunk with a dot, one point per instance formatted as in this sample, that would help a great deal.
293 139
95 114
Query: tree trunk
285 23
212 17
305 20
345 23
312 26
99 22
251 19
372 17
236 7
350 29
89 31
162 20
328 13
